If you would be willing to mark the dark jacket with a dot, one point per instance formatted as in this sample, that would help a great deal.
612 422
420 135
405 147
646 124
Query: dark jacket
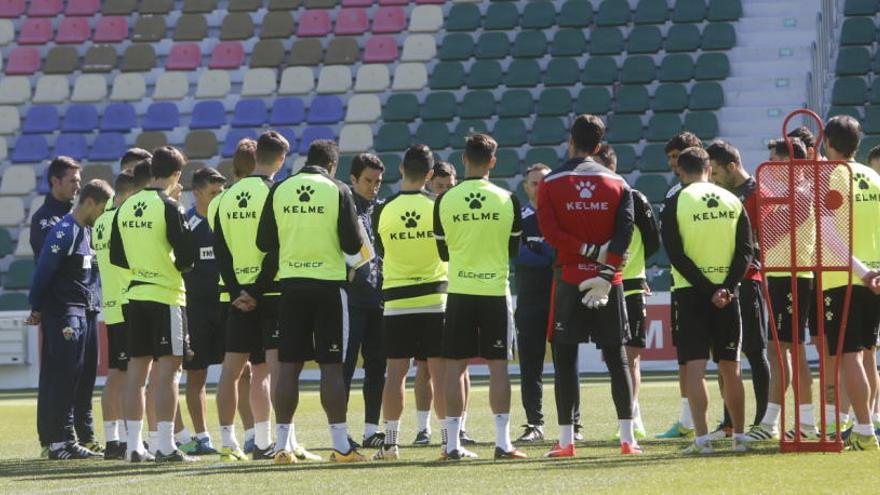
365 291
44 219
534 264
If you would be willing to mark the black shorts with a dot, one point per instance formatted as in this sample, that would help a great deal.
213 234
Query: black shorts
705 329
753 315
156 329
253 332
781 304
206 335
117 346
574 323
862 322
417 335
478 326
313 320
637 316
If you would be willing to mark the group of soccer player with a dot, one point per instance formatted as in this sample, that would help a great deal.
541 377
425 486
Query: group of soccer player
262 276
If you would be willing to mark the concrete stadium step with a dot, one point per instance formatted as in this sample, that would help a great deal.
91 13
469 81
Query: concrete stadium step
779 38
769 54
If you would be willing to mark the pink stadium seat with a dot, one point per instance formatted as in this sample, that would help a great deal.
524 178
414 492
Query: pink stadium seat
73 30
227 55
380 49
45 8
11 8
357 3
393 2
111 29
352 21
83 7
23 60
314 23
184 56
35 32
389 20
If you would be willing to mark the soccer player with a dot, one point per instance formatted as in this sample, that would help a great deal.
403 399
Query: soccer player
534 278
806 136
684 427
151 239
586 214
414 284
729 173
250 278
708 237
443 178
365 302
645 242
132 157
311 220
477 227
62 292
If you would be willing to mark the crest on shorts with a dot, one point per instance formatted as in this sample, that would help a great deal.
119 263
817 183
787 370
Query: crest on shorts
68 333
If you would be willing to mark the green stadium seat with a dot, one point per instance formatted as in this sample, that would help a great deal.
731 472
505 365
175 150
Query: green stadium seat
718 36
7 245
506 164
343 167
600 71
851 111
670 97
439 105
20 275
456 46
569 43
706 96
596 101
613 13
871 122
465 128
447 75
638 69
858 31
392 137
653 186
626 158
875 65
492 45
530 44
538 15
849 91
14 301
554 101
547 156
523 74
606 41
860 7
663 126
501 16
853 61
644 39
392 167
510 132
576 14
653 159
703 124
503 184
477 105
456 160
516 103
875 91
678 67
463 17
689 11
867 144
631 99
548 131
651 12
712 67
435 134
682 38
724 10
563 72
624 129
484 74
402 107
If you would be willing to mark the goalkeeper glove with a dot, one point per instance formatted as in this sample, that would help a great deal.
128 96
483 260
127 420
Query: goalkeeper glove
597 253
597 288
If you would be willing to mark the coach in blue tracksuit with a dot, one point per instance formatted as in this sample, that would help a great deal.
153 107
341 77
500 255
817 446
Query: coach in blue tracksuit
63 291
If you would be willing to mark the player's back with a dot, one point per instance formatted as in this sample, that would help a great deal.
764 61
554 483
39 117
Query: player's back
114 280
865 222
238 214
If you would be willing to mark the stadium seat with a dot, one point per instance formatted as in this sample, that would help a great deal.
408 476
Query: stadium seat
325 110
653 186
569 43
510 132
501 16
334 79
7 32
155 6
199 6
434 134
575 14
389 20
411 77
523 73
72 145
644 39
268 53
61 60
35 31
689 11
624 129
10 122
249 113
718 36
4 150
871 122
464 129
484 74
631 99
149 29
308 51
363 109
651 12
516 103
128 87
419 48
355 138
853 61
712 66
244 5
14 90
190 27
548 131
638 69
287 111
601 71
678 67
30 148
446 75
52 89
606 41
547 156
380 50
372 78
80 118
654 159
402 107
14 301
119 117
724 10
426 19
118 7
139 57
45 8
626 158
593 101
530 44
393 136
162 116
83 7
89 88
208 115
561 72
538 15
151 140
227 55
506 165
105 172
21 272
392 167
553 102
706 96
477 105
17 180
259 82
463 17
108 146
492 45
663 126
23 60
320 4
277 25
200 144
296 81
171 86
111 29
858 31
7 245
860 7
340 51
99 59
237 26
41 119
213 84
670 97
703 124
232 139
613 13
875 91
851 111
439 106
312 134
352 22
682 38
184 56
73 30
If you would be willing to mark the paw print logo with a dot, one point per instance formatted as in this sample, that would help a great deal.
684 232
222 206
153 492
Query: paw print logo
243 198
99 232
711 200
139 208
59 234
585 189
861 180
305 193
411 218
55 248
475 200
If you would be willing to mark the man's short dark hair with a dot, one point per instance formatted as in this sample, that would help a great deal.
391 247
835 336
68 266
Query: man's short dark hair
166 161
206 176
271 146
59 166
124 182
874 154
693 160
479 149
245 158
843 133
606 156
133 156
444 169
683 141
142 174
363 161
779 147
587 132
418 161
805 135
97 190
724 153
323 153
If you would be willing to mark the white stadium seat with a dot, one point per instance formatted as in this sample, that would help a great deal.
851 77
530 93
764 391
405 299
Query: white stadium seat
10 120
372 78
259 82
355 138
15 90
128 87
363 108
297 81
52 89
171 86
419 48
11 211
426 19
410 77
334 79
89 88
213 84
18 180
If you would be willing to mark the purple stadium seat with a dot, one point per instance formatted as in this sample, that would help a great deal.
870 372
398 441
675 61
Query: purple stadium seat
80 118
72 145
45 8
352 22
41 119
227 55
11 8
325 110
23 60
35 32
380 49
249 113
83 7
314 23
119 117
73 30
287 111
312 134
389 20
111 29
232 139
184 56
357 3
108 146
30 149
208 115
162 116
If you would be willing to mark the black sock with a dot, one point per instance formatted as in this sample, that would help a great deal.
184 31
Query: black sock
621 381
760 381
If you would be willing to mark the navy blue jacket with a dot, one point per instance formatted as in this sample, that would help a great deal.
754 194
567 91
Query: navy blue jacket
203 281
365 291
534 264
44 219
65 281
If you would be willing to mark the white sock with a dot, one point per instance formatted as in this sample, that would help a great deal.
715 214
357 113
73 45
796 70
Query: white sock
111 431
685 418
502 432
444 435
282 436
166 437
424 420
153 441
626 431
392 429
227 437
263 434
807 415
121 428
133 437
739 437
370 429
771 416
339 435
464 421
57 445
292 444
248 435
453 433
637 416
703 440
203 435
867 429
566 435
183 436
